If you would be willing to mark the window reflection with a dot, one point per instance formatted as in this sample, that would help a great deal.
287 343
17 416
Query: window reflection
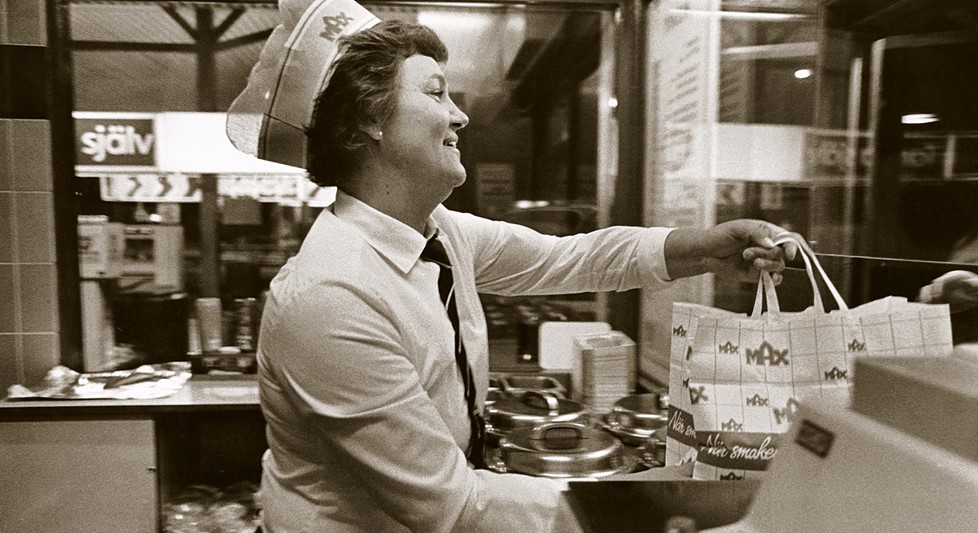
531 78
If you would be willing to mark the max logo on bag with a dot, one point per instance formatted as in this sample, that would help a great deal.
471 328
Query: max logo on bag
766 354
697 395
787 414
856 346
679 331
728 347
756 401
836 373
731 425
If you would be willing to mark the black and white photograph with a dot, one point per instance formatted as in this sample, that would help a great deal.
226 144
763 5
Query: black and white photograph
517 266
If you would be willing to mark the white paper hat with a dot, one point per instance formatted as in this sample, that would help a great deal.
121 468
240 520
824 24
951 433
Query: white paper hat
268 118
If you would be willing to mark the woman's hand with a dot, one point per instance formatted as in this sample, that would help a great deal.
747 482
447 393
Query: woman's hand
739 249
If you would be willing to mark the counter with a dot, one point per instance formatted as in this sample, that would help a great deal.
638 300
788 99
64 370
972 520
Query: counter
111 465
200 393
62 459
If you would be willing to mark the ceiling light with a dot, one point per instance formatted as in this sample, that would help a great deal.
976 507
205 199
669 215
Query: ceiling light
530 204
919 118
803 73
741 15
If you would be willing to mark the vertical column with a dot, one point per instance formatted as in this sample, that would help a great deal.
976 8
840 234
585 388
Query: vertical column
29 323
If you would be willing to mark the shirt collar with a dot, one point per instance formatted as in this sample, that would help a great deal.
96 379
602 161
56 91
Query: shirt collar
393 239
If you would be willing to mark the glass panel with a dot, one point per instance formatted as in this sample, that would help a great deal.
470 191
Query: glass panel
536 82
852 123
731 100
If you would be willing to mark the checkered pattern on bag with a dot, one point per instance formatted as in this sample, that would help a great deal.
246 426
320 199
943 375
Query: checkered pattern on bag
738 375
742 373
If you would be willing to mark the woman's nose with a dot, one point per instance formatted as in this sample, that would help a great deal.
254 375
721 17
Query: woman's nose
459 119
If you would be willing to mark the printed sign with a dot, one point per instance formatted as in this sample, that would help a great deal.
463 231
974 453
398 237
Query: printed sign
107 141
183 188
165 143
837 155
681 426
734 450
176 188
495 188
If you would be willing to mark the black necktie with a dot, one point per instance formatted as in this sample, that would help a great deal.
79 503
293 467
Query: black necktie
434 251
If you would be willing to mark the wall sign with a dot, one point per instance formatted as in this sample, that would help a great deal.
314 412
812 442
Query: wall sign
115 142
184 188
166 143
175 188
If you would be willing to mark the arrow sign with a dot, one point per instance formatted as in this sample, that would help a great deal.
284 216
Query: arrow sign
181 188
135 186
166 187
149 188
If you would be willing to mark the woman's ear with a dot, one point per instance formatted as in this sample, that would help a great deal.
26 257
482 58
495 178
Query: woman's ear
373 131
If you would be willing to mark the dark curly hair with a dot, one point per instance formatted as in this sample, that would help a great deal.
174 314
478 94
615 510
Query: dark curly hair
362 91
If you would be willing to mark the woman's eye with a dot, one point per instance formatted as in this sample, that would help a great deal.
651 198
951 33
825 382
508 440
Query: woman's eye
437 93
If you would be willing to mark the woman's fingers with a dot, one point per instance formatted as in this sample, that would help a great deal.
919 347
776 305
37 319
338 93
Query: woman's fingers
770 259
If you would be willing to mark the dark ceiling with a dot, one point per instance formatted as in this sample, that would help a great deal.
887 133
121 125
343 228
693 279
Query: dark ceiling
901 17
151 56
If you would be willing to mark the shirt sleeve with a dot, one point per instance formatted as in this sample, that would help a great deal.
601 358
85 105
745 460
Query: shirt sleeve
357 388
511 259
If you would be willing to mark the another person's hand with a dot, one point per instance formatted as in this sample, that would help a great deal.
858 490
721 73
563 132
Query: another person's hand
739 249
958 288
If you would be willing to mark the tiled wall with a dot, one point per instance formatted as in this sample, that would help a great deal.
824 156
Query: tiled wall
29 343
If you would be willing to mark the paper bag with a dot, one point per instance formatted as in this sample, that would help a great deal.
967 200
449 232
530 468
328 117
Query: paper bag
681 440
742 375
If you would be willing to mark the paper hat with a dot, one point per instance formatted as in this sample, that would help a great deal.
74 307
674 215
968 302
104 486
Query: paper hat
268 118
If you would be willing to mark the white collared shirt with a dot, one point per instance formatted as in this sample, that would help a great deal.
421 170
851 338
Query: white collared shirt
367 420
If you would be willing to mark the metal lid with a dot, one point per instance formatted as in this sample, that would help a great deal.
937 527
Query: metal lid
641 411
531 409
636 417
563 450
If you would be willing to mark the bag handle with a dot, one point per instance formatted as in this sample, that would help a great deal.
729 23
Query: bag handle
766 284
809 255
765 287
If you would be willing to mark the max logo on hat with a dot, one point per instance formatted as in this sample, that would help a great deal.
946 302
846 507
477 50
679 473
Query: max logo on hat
268 118
334 25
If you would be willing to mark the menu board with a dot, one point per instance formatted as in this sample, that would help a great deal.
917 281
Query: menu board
684 63
685 97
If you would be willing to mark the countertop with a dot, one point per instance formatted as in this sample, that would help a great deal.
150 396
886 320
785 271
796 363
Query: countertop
199 393
621 504
208 392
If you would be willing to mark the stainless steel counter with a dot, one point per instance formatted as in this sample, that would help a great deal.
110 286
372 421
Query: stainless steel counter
200 393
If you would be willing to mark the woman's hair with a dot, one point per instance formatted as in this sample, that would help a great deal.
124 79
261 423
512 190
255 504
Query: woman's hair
362 91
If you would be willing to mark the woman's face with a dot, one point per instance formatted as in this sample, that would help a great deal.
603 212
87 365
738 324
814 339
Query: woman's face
421 137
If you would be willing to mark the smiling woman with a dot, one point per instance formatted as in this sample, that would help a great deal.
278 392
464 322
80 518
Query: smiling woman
373 351
417 153
385 127
391 387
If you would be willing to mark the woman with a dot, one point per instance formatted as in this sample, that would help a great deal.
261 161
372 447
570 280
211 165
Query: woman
369 426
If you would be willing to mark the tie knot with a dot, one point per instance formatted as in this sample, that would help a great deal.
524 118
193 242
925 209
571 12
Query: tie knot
435 252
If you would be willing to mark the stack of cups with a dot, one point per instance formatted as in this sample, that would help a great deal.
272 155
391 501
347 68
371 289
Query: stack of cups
209 324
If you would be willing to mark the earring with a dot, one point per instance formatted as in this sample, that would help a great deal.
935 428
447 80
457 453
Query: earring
378 136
